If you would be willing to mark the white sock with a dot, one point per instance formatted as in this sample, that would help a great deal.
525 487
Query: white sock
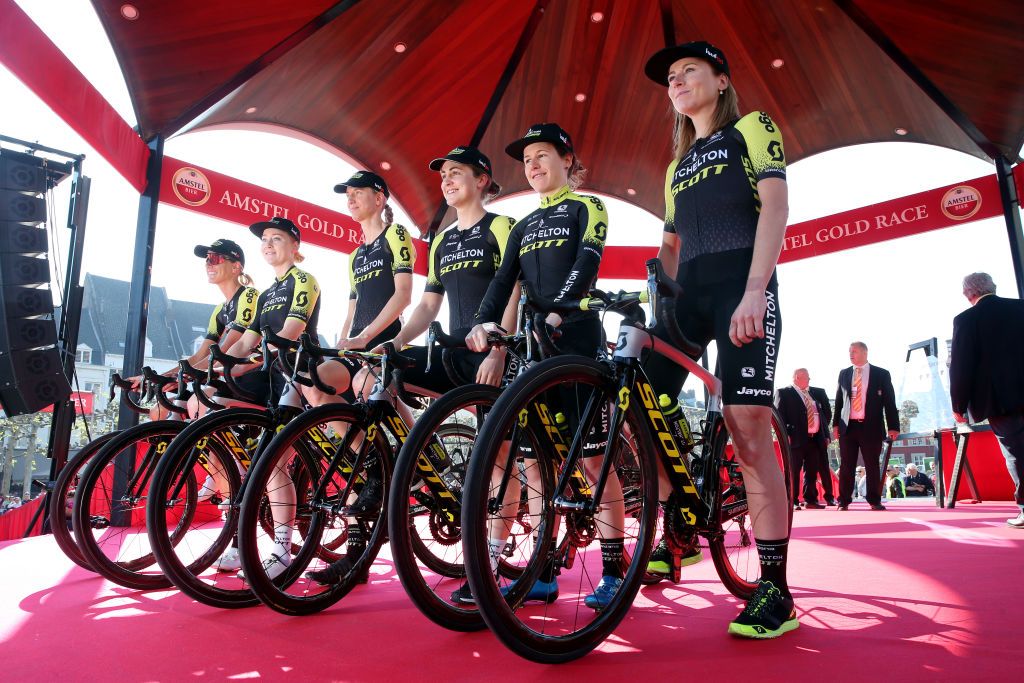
494 548
283 539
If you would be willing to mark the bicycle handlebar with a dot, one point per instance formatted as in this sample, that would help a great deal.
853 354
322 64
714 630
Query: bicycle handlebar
157 382
117 382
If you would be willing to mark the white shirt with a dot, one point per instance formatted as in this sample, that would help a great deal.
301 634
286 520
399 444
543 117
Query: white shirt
864 375
815 425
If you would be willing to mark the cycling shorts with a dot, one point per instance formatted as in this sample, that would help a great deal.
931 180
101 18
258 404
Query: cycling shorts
747 372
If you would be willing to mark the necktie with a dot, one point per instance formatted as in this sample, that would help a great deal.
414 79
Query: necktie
858 392
812 413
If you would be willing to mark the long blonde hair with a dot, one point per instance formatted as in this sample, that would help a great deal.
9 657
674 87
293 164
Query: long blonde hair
577 172
684 134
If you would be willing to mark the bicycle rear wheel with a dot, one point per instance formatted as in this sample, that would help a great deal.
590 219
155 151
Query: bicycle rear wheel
731 542
566 535
426 544
62 499
209 455
315 522
108 515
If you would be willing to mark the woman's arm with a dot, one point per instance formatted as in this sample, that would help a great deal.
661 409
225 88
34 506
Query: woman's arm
398 302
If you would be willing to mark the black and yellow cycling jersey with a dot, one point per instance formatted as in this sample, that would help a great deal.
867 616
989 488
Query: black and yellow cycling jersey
711 198
556 250
234 314
463 263
372 270
295 295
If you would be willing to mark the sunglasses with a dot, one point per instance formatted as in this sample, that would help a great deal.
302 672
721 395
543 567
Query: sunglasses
213 259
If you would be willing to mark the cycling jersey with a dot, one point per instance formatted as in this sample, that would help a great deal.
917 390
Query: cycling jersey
295 295
711 198
234 314
556 250
372 270
463 263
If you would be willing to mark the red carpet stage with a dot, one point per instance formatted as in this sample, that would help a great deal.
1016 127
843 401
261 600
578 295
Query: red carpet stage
915 593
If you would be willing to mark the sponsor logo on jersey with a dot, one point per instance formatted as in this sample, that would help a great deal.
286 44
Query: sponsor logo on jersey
191 186
961 202
562 208
747 391
771 321
747 372
462 255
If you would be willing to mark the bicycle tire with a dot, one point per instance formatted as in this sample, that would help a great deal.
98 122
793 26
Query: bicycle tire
208 445
121 551
731 543
561 631
423 574
64 492
292 593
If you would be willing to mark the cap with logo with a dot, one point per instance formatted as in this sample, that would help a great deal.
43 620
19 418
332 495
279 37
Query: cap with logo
278 223
225 248
540 132
364 179
658 65
470 156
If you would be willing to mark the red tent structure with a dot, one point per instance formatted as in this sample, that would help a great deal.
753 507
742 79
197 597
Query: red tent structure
386 85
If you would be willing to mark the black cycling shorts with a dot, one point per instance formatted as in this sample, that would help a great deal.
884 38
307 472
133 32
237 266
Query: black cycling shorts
465 363
354 366
747 372
264 385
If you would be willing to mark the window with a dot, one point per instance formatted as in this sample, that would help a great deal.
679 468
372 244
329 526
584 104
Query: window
94 387
197 342
83 354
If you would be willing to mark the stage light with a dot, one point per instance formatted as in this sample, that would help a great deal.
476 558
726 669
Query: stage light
401 47
129 12
581 97
250 110
597 17
901 131
385 165
778 63
630 191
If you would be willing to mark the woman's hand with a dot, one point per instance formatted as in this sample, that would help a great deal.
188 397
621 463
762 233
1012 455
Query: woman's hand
352 343
747 323
476 340
492 369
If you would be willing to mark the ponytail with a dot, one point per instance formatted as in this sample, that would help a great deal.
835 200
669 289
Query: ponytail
244 280
577 171
389 215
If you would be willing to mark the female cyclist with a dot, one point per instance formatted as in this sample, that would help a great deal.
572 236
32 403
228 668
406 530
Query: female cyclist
556 251
289 307
726 205
380 279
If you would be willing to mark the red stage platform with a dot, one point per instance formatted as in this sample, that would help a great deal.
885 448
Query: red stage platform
914 593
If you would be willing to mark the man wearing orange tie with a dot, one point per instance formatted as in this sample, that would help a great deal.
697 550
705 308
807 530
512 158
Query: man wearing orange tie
865 405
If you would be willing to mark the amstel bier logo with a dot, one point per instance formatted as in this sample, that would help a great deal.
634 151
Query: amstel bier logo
191 186
961 202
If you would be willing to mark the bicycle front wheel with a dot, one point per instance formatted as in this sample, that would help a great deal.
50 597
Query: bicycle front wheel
569 534
108 513
425 523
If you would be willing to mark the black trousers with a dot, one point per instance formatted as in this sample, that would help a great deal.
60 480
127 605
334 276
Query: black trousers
856 442
806 457
1009 429
825 473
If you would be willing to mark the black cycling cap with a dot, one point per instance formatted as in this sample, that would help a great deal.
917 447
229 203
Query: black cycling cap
225 248
278 223
364 179
470 156
657 66
540 132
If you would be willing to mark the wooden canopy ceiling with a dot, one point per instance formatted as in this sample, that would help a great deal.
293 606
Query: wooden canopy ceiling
481 71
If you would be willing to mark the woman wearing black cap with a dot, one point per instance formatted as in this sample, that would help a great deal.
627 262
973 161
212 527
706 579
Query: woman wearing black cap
463 260
380 280
725 217
289 307
556 251
225 266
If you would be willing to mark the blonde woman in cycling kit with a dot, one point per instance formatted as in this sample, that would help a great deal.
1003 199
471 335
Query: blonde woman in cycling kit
380 281
559 269
289 307
725 217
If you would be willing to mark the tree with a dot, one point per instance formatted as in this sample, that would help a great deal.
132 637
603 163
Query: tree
12 430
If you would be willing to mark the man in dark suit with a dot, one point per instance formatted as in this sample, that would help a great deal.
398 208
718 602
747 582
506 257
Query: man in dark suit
986 372
865 405
806 413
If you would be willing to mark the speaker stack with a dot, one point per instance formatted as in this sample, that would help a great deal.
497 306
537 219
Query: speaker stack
31 374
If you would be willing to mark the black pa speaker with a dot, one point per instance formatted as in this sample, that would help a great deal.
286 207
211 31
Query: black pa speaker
31 374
